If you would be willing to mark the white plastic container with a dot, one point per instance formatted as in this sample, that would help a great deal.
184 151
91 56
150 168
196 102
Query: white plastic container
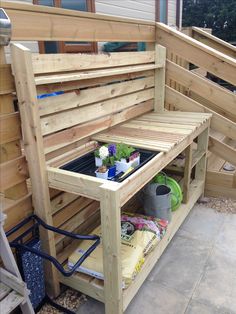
98 162
123 165
102 175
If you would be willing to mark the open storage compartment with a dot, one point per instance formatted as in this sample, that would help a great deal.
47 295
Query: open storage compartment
86 164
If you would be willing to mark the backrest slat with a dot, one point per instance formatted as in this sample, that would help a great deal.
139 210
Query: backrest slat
79 98
53 63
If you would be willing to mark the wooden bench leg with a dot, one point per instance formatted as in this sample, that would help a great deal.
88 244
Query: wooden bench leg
111 239
202 145
187 172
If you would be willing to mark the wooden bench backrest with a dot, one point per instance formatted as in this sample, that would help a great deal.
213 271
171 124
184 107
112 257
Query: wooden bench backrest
99 91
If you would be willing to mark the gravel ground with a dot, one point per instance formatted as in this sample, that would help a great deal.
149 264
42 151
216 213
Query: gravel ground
221 205
70 299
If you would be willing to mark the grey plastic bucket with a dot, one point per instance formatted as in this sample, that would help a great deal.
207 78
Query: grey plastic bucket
157 201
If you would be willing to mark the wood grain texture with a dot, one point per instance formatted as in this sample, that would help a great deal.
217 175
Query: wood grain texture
50 63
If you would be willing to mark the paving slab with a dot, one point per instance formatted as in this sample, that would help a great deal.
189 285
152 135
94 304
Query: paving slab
91 306
202 224
230 219
155 298
196 307
226 239
217 286
181 265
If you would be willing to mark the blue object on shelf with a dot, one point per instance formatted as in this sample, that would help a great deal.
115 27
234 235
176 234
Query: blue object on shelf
50 95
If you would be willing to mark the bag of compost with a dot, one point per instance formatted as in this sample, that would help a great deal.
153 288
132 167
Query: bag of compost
139 235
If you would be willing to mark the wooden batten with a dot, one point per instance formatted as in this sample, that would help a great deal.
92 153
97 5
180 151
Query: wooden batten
26 92
213 41
197 53
46 25
53 63
223 101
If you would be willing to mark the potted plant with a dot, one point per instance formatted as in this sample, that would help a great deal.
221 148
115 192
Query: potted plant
126 157
102 172
105 157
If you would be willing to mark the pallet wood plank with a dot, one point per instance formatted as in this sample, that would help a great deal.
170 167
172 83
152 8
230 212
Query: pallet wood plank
111 237
50 63
84 97
213 41
75 183
224 101
56 141
4 290
223 150
26 92
75 85
62 120
76 76
197 53
10 127
13 172
47 26
6 79
10 302
218 122
160 59
6 104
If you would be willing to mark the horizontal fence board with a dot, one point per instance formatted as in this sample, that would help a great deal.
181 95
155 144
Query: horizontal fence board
59 11
47 26
58 143
17 211
7 84
71 210
62 200
197 53
9 151
223 150
223 100
70 118
216 190
13 172
221 179
50 63
84 97
78 219
17 191
10 127
74 85
64 250
76 76
214 42
6 104
184 103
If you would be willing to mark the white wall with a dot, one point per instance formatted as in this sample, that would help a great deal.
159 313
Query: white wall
137 9
172 12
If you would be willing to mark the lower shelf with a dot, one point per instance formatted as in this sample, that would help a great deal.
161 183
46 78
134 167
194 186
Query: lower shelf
94 287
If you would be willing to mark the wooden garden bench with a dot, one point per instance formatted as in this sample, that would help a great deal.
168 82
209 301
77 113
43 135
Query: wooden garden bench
115 98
